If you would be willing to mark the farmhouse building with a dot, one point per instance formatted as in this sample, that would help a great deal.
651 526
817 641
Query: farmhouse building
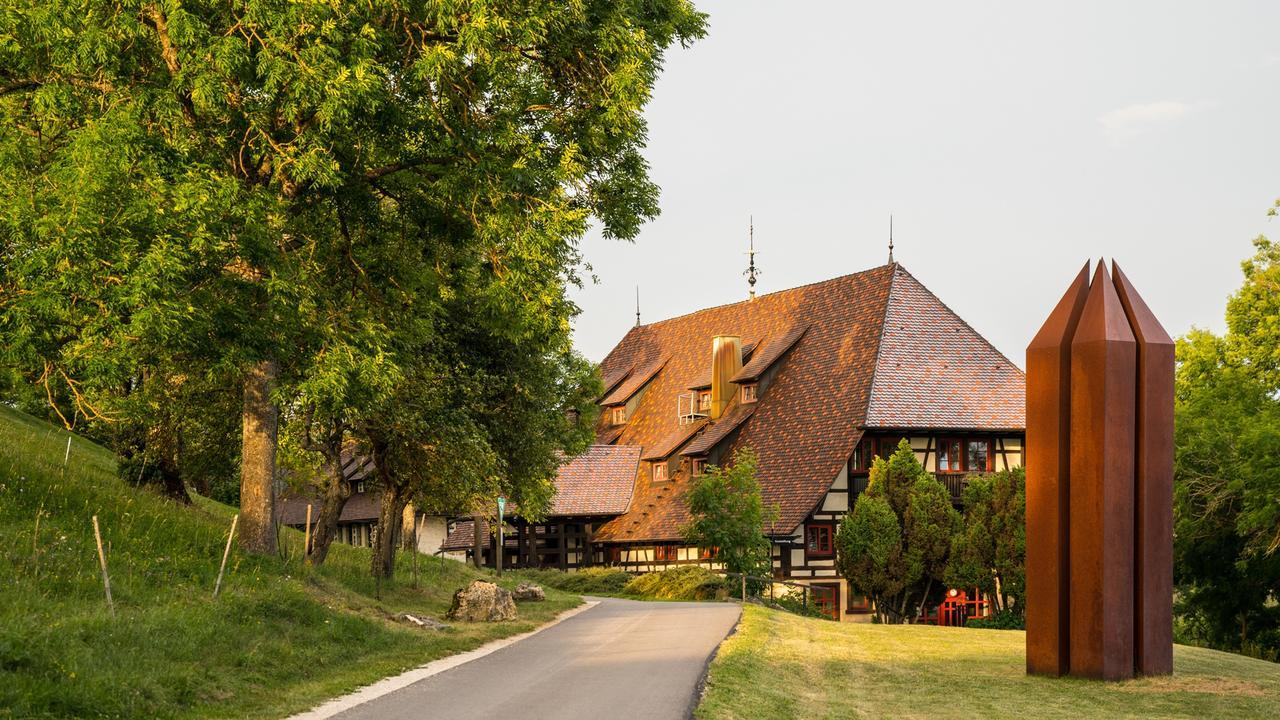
817 380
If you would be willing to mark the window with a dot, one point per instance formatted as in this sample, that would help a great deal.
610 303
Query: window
704 400
949 459
619 415
708 553
699 466
360 486
826 598
978 456
862 454
659 471
749 392
818 540
887 446
666 553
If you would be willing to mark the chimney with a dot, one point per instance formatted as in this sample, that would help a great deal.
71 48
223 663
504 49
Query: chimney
726 361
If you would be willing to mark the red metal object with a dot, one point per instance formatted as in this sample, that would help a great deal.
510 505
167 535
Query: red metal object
1048 498
1104 362
1100 486
1153 597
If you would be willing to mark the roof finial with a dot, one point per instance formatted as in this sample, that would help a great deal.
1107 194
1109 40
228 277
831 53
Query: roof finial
637 306
751 271
890 238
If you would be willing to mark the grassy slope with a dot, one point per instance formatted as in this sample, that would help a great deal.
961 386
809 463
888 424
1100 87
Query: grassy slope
278 639
780 665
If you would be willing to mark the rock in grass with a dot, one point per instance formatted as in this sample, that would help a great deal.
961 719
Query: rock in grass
482 602
527 591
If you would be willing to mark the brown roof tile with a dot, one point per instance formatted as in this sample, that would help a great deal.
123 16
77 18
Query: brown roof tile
764 359
720 429
935 371
662 449
597 482
634 382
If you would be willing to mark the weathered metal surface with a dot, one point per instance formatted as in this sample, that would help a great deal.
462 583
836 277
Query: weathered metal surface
1104 358
1100 485
1153 575
1048 450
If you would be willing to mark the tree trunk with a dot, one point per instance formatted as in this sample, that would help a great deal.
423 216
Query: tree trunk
924 598
384 542
258 461
477 549
336 492
407 536
171 477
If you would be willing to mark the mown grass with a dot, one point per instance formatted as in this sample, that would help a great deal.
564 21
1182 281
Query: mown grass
783 666
280 637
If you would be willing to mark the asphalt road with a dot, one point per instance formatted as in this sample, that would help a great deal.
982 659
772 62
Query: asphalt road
619 660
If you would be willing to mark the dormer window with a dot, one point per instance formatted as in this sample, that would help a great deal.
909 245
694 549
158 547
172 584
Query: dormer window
699 466
704 400
619 415
749 392
659 471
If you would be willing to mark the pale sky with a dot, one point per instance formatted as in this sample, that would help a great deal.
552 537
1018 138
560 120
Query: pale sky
1011 141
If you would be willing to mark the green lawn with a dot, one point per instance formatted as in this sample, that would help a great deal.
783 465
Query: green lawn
279 639
784 666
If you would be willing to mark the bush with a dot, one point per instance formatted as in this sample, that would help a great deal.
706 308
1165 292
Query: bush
1003 620
689 582
590 581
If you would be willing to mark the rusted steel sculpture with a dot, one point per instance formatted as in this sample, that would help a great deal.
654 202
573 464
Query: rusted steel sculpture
1048 460
1099 485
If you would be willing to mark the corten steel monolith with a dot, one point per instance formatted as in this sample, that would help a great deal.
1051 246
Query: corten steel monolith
1153 594
1100 485
1048 460
1104 369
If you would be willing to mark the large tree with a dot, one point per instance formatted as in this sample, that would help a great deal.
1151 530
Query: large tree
187 188
988 552
894 545
1226 480
727 513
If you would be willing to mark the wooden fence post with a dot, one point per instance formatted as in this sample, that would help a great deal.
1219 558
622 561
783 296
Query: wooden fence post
102 561
227 551
306 538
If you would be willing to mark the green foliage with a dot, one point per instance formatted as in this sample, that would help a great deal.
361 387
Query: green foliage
989 550
1253 315
385 199
729 514
1002 620
1226 480
895 544
684 582
588 581
279 638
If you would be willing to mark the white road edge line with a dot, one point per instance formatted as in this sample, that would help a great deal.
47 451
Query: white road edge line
397 682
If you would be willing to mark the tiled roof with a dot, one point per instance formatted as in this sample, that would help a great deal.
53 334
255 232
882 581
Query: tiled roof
662 449
804 425
720 429
611 381
360 507
633 383
934 371
463 536
609 435
764 359
597 482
